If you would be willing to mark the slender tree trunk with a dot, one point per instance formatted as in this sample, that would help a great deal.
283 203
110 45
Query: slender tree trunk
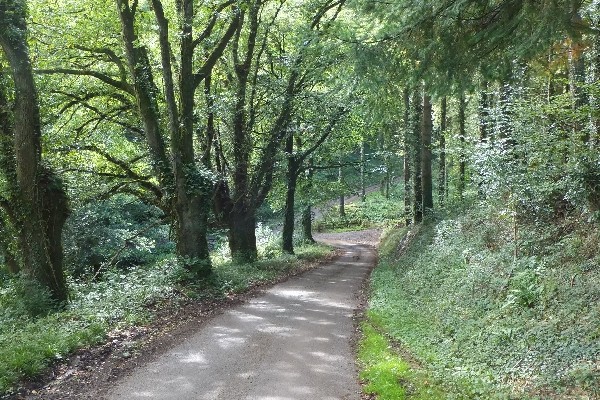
484 105
363 194
8 218
342 204
307 215
550 83
288 213
442 181
407 157
426 134
416 151
596 60
462 106
307 225
576 81
42 206
388 178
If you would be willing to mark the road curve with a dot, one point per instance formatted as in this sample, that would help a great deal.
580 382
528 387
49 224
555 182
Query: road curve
293 342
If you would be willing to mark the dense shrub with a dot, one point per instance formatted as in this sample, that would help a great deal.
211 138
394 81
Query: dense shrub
121 231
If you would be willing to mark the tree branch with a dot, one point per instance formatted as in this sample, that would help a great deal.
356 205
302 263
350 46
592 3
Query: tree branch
218 51
126 87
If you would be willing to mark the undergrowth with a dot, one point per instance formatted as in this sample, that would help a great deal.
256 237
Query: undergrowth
491 317
30 343
376 210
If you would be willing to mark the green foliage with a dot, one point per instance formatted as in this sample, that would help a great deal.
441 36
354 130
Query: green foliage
540 166
487 324
28 345
120 231
24 298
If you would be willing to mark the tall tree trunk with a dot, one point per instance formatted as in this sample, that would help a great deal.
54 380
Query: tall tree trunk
596 61
192 189
550 90
426 134
42 206
407 157
288 213
442 181
8 218
484 107
416 152
188 192
462 106
242 221
307 225
387 181
596 106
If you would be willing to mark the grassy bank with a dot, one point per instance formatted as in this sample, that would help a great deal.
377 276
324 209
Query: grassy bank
488 316
29 345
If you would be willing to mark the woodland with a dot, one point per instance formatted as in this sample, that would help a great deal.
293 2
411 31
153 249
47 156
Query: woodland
159 151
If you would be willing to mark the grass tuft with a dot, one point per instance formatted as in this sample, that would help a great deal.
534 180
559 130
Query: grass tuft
388 375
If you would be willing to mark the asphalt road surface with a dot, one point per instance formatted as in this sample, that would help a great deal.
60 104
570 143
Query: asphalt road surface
293 342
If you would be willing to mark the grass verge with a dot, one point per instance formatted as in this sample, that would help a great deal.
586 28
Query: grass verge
389 375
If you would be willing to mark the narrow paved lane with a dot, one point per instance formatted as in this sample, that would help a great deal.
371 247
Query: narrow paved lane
291 343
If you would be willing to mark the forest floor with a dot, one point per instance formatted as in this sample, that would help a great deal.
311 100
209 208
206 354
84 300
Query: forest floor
293 340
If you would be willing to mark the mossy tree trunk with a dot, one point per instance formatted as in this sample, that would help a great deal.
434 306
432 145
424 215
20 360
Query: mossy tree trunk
186 187
288 212
407 157
39 201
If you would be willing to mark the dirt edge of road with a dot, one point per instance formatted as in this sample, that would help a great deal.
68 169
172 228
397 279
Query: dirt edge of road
89 373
